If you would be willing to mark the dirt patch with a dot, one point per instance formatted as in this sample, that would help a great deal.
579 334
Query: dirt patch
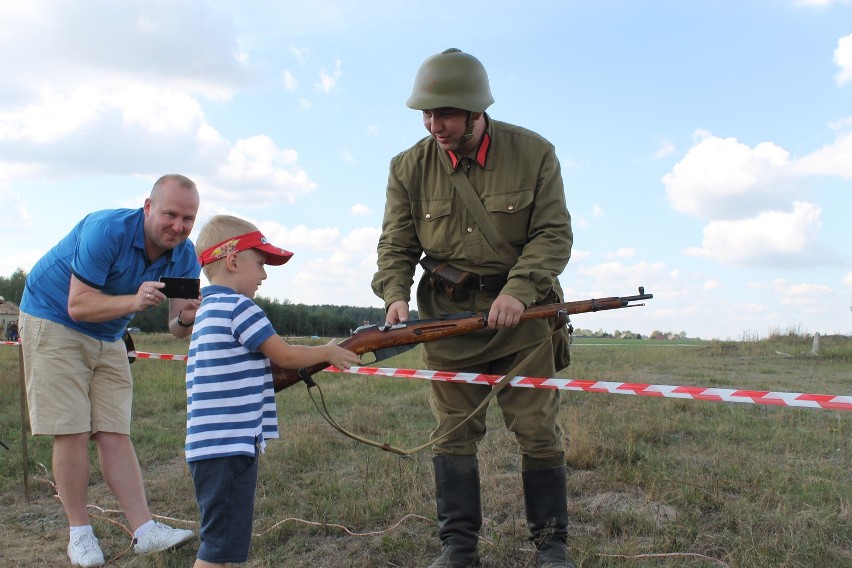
617 502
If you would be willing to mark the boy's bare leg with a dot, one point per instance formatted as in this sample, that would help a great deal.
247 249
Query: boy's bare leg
204 564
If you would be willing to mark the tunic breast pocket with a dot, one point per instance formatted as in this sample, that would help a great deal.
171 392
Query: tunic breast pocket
510 211
432 218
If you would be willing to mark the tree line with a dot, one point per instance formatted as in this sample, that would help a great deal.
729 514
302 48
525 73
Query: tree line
292 320
287 318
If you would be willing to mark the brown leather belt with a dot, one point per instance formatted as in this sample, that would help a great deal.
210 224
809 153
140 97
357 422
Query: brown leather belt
488 284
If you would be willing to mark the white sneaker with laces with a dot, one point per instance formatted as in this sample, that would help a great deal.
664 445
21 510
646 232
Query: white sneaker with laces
84 550
162 537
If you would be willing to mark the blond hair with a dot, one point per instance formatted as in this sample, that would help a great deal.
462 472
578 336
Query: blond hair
220 228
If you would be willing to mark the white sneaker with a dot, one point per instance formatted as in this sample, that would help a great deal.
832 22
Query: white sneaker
162 537
84 550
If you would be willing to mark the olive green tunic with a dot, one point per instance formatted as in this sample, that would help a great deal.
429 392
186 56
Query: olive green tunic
520 184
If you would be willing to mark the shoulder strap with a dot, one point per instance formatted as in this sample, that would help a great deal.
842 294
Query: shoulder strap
465 190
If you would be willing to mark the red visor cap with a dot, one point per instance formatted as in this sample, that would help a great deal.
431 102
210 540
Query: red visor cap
254 240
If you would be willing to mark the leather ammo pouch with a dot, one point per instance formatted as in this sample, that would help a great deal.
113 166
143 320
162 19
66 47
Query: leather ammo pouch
446 278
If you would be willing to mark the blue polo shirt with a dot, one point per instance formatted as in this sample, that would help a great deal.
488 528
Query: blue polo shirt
106 250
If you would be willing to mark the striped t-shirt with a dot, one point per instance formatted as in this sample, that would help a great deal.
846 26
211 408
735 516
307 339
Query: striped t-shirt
230 398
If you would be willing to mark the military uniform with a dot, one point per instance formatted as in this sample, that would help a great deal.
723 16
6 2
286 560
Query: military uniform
517 177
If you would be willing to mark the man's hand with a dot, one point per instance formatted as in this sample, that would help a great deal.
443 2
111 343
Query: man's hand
505 312
397 312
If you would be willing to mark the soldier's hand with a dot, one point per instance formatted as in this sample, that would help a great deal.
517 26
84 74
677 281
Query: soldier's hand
397 312
505 312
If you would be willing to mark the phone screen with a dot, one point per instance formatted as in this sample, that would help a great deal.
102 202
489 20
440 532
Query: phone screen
181 287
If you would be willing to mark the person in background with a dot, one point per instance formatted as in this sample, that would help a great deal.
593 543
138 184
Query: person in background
517 179
77 302
231 408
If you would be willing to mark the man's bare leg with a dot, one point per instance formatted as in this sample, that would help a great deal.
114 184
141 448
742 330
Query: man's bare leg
120 468
71 471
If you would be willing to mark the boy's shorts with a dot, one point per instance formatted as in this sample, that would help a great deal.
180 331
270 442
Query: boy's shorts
75 383
224 490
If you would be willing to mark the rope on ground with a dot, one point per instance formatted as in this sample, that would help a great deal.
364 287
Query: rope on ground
666 554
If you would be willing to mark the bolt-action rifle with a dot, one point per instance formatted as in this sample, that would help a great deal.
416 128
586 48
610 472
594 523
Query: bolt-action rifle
387 340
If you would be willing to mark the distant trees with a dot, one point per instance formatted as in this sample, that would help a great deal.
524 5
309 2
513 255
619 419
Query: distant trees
291 319
627 334
12 288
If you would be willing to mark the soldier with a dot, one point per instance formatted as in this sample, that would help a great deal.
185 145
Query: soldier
484 201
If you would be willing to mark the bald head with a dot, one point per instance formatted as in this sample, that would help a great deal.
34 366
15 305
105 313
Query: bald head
170 213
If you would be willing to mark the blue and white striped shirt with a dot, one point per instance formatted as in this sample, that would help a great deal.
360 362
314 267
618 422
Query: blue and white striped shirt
230 398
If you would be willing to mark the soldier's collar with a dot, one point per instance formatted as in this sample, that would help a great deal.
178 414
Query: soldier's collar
481 152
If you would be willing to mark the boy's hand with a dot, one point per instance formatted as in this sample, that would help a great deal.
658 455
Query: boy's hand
340 357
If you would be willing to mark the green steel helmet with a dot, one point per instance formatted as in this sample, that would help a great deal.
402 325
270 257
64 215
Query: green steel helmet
451 79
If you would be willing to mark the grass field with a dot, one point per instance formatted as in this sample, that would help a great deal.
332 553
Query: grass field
652 481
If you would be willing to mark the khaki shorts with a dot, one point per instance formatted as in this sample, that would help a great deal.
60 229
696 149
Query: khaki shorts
75 383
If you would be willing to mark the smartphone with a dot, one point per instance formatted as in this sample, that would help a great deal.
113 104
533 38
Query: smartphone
181 287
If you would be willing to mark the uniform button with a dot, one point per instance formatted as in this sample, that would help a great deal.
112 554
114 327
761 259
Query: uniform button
428 215
470 229
510 207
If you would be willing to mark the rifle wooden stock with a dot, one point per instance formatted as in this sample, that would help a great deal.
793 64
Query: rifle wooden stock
372 338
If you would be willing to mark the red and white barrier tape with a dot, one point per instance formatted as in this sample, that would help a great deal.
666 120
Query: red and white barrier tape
825 401
804 400
164 356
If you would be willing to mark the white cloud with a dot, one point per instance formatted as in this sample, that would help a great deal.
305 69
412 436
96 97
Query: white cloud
359 210
831 159
617 272
597 211
150 38
290 82
800 295
258 166
723 178
820 3
666 148
843 59
300 54
772 237
16 217
847 279
329 77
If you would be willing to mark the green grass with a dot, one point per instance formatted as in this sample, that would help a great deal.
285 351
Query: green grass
678 481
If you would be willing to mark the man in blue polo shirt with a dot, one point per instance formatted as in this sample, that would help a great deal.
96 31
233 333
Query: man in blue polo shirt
77 302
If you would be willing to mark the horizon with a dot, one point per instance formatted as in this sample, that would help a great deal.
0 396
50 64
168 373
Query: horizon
704 146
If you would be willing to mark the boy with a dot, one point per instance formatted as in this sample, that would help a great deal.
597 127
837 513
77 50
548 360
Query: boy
230 398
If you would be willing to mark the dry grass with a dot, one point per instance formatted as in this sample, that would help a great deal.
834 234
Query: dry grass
652 482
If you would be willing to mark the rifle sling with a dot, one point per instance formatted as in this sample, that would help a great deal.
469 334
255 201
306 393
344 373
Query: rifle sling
501 384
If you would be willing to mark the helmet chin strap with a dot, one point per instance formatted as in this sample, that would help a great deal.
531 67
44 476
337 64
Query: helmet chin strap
470 124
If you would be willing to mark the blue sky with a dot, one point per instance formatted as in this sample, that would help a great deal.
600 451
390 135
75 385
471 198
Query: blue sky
706 146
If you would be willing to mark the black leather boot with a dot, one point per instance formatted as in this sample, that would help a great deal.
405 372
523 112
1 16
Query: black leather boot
459 510
546 500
